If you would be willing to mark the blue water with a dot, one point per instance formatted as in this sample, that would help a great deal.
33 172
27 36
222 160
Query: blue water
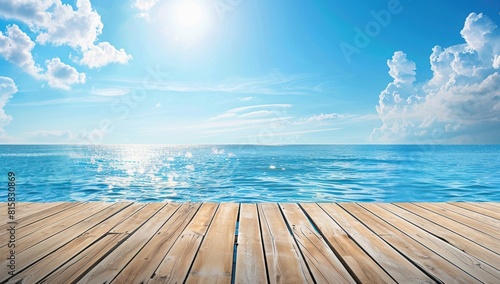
333 173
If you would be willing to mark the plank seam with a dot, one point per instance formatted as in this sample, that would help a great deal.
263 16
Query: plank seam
417 241
263 247
440 225
296 242
330 245
201 243
433 277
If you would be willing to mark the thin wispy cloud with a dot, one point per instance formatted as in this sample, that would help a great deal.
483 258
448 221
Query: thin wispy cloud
110 92
274 84
241 112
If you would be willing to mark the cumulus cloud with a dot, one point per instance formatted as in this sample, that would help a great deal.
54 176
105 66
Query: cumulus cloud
60 24
32 13
7 90
460 103
60 75
76 28
103 54
15 47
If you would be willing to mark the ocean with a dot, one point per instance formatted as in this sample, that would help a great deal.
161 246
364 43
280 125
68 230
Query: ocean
251 174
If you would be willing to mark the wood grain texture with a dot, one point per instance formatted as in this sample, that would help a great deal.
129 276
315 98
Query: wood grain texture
474 223
419 254
284 260
250 263
213 263
116 260
400 269
176 264
480 238
58 258
34 253
468 263
447 234
476 208
144 263
361 264
130 242
322 262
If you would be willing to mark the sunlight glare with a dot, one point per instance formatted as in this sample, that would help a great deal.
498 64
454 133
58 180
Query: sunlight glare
187 22
188 14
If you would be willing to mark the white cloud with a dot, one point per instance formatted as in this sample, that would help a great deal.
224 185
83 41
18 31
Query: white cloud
273 106
110 92
59 24
272 84
32 13
224 115
63 134
257 113
329 116
7 90
103 54
496 62
144 6
477 30
76 28
241 112
460 103
15 47
60 75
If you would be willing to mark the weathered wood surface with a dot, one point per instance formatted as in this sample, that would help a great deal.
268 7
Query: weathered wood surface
252 243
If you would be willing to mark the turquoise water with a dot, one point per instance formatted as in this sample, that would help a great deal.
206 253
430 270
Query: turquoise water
332 173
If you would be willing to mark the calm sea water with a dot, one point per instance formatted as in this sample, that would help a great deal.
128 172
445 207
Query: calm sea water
330 173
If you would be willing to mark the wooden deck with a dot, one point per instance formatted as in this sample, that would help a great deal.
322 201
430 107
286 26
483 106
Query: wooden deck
248 243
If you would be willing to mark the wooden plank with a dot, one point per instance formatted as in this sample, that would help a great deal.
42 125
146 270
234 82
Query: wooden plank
144 263
490 221
29 256
284 261
75 269
322 262
50 263
478 237
46 229
214 261
250 262
114 262
493 207
361 264
473 223
51 224
448 234
397 266
24 209
176 264
420 255
469 264
23 244
476 207
24 220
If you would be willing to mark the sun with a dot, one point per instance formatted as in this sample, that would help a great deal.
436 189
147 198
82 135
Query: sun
188 14
186 21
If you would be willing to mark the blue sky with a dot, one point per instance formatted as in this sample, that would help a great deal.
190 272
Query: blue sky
249 72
